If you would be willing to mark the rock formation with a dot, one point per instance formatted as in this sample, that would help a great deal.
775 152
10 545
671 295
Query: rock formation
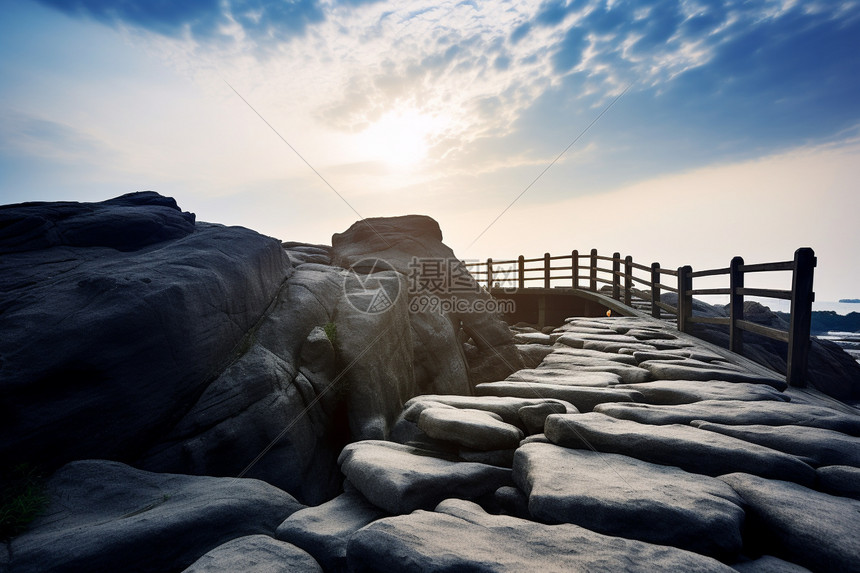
354 430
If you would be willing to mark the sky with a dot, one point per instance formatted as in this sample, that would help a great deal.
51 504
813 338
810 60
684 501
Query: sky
683 132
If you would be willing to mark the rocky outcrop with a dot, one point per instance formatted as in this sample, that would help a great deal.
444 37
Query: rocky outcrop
102 349
444 297
255 554
106 516
460 536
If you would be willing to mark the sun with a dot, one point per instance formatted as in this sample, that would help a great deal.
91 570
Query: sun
400 139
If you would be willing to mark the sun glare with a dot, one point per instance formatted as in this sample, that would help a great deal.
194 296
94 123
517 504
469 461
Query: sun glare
399 139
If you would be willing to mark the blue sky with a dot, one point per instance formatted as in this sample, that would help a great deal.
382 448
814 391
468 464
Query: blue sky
737 132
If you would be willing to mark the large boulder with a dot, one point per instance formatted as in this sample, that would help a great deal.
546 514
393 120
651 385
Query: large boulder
460 536
255 554
107 516
444 299
110 332
626 497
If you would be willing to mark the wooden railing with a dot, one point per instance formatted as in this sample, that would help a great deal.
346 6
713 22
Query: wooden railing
621 275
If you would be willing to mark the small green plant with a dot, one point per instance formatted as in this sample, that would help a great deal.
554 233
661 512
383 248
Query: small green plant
331 332
22 499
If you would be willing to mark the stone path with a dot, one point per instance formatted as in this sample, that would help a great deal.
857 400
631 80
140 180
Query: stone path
642 449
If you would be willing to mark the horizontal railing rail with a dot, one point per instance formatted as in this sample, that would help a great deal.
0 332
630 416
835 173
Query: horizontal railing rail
619 275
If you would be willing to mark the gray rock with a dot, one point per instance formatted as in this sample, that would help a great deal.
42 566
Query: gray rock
532 338
622 496
500 458
512 501
284 378
562 353
820 447
134 337
106 516
323 531
255 554
533 354
768 564
533 417
737 412
506 407
812 529
400 479
565 376
439 359
627 373
126 223
671 392
686 447
460 536
840 480
690 369
475 429
583 398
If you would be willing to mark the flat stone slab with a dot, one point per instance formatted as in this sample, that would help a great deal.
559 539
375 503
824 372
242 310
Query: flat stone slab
627 373
460 536
585 399
107 516
840 480
533 417
820 447
400 479
471 428
686 447
803 526
622 496
506 407
737 412
255 554
565 376
690 369
532 338
561 352
669 392
324 530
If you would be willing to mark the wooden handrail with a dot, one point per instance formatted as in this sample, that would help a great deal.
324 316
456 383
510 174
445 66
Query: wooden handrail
620 277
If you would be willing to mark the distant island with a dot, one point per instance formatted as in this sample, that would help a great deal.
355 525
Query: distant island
850 300
824 321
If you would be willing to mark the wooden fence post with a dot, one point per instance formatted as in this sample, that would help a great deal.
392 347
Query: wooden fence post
574 267
546 270
655 290
736 305
685 299
521 271
801 317
628 278
593 285
616 280
489 275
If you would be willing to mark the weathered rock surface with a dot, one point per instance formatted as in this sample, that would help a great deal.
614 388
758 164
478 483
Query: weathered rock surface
533 417
106 516
671 392
400 479
768 564
584 398
803 526
101 348
126 223
678 445
690 369
507 407
255 554
324 530
566 377
738 412
460 536
622 496
628 374
403 243
474 429
840 480
820 447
